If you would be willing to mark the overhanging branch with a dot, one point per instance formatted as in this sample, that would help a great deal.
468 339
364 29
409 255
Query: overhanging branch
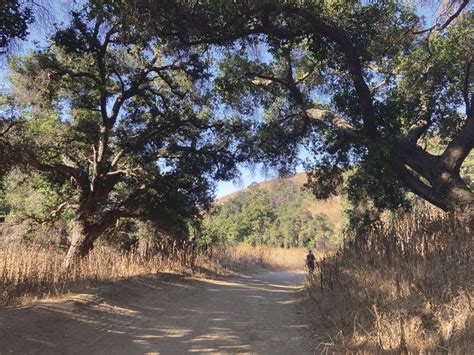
312 26
319 116
417 186
355 68
337 121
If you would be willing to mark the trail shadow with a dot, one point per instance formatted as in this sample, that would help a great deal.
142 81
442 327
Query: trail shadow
164 314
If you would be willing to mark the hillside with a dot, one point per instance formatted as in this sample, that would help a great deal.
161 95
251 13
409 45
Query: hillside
276 212
331 207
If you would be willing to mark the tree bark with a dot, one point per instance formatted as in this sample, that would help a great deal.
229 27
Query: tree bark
87 228
82 242
459 198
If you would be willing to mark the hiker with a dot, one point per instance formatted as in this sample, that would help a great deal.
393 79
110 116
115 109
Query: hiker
310 260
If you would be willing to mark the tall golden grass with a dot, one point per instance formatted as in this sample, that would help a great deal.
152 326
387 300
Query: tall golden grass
405 285
29 271
36 271
243 258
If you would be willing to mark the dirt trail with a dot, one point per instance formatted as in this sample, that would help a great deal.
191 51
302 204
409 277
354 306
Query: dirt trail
162 314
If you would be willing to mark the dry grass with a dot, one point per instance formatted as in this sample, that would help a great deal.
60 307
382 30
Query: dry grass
34 271
406 285
244 258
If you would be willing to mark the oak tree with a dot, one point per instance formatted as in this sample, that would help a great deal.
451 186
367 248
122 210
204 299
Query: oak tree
125 122
361 85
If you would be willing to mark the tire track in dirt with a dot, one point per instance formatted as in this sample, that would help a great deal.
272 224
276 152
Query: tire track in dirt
162 314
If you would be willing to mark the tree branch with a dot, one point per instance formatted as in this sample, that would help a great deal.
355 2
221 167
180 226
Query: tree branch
465 89
101 52
355 68
416 158
317 26
417 129
117 158
417 186
426 98
80 74
52 216
317 115
306 75
12 123
450 19
72 172
334 119
460 147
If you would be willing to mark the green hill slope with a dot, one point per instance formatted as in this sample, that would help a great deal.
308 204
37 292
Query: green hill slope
276 212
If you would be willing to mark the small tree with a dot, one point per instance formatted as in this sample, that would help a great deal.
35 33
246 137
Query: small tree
125 121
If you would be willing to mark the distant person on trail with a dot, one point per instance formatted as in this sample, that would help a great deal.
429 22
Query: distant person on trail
310 260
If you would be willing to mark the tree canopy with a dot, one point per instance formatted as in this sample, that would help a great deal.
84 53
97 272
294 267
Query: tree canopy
359 84
136 108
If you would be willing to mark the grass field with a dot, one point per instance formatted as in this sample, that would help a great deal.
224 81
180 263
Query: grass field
31 271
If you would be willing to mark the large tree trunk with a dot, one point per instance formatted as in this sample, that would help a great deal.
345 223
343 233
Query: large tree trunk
459 198
82 242
86 230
